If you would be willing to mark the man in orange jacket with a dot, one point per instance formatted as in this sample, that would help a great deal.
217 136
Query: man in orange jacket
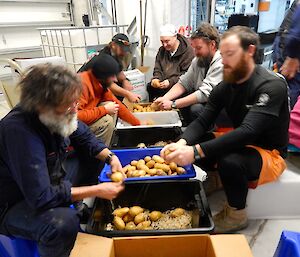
97 104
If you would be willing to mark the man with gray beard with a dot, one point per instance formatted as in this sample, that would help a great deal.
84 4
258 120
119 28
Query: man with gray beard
36 186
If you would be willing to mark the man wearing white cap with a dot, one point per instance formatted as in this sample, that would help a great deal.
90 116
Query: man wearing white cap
172 60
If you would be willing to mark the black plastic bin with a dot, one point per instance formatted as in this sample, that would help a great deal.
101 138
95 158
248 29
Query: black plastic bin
156 195
130 138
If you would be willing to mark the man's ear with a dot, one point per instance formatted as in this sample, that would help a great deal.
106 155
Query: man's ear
251 50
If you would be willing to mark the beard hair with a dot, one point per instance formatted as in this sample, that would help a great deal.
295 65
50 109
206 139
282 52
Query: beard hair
204 62
238 73
64 125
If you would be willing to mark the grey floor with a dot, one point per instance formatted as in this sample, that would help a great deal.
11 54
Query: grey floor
262 235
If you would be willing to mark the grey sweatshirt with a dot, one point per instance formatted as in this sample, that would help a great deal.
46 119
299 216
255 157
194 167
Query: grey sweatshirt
195 80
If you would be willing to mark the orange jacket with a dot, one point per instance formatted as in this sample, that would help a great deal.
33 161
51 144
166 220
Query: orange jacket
92 95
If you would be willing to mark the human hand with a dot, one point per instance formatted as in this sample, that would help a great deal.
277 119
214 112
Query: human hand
127 85
109 190
164 84
111 108
178 153
290 67
133 98
115 164
166 104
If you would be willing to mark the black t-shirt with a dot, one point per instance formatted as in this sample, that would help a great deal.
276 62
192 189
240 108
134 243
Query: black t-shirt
258 109
105 50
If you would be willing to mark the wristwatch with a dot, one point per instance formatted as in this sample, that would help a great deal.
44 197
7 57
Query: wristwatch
196 154
173 104
108 158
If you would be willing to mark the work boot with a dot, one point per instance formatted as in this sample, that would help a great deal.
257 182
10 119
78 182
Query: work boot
230 220
213 183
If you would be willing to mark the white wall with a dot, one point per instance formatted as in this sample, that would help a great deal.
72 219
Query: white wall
80 8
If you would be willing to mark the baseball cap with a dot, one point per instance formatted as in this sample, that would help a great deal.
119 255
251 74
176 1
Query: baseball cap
122 40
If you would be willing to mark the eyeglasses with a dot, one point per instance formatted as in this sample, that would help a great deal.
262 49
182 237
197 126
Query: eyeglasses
124 42
67 111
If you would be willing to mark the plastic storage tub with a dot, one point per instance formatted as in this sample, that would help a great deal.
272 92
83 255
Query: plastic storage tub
155 195
289 245
127 155
131 138
159 119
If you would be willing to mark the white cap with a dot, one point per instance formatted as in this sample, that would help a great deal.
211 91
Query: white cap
168 30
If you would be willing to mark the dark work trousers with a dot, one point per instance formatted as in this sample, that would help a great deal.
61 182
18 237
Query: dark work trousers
155 92
190 113
53 229
236 169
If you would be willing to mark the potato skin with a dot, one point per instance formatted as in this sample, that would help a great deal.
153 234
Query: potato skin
135 210
155 215
147 159
158 159
139 218
120 212
119 223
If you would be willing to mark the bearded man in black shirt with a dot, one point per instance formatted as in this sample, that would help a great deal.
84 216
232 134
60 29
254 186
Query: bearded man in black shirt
256 101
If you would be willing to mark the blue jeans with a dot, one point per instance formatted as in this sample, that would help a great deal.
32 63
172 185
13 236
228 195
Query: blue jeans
54 229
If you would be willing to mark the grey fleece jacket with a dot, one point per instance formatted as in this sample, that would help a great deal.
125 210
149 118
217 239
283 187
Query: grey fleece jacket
195 79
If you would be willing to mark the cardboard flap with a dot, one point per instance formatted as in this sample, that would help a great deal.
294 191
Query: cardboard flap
92 246
231 246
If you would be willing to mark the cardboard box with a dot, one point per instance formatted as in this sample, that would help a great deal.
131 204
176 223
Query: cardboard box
137 79
164 246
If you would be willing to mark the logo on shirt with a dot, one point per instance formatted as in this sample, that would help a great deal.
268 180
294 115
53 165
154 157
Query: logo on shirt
263 100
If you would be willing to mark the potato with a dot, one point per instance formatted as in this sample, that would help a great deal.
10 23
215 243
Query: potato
161 173
173 166
147 159
158 159
147 175
130 174
125 169
135 210
142 173
131 168
120 212
144 225
136 173
150 164
139 218
117 176
141 145
152 172
161 166
180 170
174 174
134 163
177 212
127 218
140 162
143 167
119 223
155 215
130 226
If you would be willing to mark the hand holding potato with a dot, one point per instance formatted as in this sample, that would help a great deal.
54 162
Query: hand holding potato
108 191
155 83
180 154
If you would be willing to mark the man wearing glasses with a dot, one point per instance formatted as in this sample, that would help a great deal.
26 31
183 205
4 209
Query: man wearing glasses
256 101
36 187
118 48
192 90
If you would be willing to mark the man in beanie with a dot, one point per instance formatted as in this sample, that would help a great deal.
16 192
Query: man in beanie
118 49
172 60
97 104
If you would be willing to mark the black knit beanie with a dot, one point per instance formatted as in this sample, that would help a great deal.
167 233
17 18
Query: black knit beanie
104 66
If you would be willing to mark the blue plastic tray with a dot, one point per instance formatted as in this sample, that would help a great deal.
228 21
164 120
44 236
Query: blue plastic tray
127 155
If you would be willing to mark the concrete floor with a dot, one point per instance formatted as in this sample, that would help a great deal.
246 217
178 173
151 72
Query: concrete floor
262 235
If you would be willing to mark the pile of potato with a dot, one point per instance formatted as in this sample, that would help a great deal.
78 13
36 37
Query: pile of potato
137 218
146 107
147 167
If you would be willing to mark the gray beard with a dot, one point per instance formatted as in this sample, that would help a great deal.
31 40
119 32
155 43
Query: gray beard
63 125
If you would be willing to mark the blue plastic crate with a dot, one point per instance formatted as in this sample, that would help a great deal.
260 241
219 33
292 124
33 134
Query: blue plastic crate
289 245
17 247
127 155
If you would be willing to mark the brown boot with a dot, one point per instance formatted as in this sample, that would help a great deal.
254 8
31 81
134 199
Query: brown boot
212 183
230 220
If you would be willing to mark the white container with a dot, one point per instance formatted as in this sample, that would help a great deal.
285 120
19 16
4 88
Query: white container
276 200
160 119
137 79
